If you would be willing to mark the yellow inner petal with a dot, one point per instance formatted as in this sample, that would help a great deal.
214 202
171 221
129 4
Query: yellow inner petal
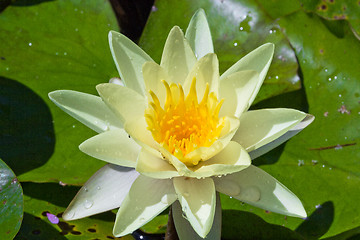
183 124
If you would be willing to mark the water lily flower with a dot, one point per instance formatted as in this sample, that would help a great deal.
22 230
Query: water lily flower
177 133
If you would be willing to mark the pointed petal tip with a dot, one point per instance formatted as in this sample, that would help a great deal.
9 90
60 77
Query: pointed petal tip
200 11
269 45
299 213
176 30
68 215
101 86
52 94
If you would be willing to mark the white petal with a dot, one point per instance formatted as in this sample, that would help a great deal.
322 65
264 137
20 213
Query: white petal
124 102
206 70
236 90
154 166
86 108
153 76
256 187
129 59
147 198
198 200
198 34
113 146
289 134
104 191
259 127
184 229
232 159
177 58
137 129
258 60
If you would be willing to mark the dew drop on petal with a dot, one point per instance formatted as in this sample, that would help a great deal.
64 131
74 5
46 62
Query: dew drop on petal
88 204
251 194
69 215
231 189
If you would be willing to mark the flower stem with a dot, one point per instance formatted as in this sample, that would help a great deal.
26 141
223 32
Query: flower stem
171 233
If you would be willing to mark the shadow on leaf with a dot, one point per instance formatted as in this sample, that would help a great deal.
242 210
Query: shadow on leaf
245 225
25 3
36 228
27 137
318 223
50 192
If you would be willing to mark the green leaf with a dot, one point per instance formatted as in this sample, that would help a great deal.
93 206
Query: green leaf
237 28
320 165
11 203
52 198
46 46
348 10
332 86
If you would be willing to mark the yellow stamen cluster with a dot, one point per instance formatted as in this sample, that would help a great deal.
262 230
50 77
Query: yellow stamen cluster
183 124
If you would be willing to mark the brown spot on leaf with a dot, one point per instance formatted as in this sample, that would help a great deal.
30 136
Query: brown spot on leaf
4 202
2 58
110 237
323 7
92 230
321 51
75 232
65 228
44 213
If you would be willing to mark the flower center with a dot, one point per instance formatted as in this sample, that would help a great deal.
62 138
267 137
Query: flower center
183 124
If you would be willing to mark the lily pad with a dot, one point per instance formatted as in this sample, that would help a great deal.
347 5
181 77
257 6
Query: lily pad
11 203
237 27
348 10
320 165
45 46
50 199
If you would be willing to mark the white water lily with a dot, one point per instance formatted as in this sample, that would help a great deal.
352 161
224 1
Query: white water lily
178 133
